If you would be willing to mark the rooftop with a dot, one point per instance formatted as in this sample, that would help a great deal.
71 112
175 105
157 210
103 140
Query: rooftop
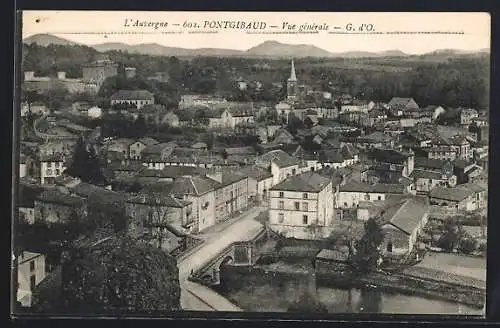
280 157
57 197
193 185
305 182
405 216
132 95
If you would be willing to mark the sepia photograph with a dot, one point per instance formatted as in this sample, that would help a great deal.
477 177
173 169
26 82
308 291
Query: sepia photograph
252 162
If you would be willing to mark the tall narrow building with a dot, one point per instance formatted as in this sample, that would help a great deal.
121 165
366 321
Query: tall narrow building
291 85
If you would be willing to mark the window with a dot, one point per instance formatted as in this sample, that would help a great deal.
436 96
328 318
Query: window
32 266
389 247
281 204
304 196
282 194
57 172
297 206
379 197
305 207
281 217
32 282
49 172
345 204
304 219
293 171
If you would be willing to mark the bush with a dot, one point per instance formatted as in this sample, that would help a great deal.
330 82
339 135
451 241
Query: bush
467 245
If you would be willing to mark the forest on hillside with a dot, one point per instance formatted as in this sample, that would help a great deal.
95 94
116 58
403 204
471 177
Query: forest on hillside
460 81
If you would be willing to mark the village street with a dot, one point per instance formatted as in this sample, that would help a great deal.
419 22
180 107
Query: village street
195 297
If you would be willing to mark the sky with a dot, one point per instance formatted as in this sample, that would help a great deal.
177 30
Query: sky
472 30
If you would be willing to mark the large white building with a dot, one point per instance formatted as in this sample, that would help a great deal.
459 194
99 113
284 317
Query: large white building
30 272
51 166
302 206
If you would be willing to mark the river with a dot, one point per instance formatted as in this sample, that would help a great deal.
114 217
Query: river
277 297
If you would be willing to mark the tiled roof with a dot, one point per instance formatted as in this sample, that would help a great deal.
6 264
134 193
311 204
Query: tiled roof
158 199
388 188
340 255
399 101
331 156
281 158
355 186
240 151
132 95
194 185
52 157
376 136
429 163
57 197
305 182
406 216
148 141
389 156
426 174
159 147
255 172
453 194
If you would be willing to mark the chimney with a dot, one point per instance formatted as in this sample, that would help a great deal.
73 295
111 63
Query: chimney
29 75
61 75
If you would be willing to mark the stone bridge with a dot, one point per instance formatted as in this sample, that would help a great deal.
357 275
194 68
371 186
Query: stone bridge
241 253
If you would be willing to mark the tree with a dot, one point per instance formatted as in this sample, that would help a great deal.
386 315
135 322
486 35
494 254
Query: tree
157 221
119 275
294 124
450 236
85 165
139 128
467 245
367 255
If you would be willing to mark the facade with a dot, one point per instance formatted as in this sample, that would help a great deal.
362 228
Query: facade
357 106
280 164
426 180
462 198
230 115
259 182
401 225
441 152
51 166
154 215
30 272
54 206
398 105
137 98
200 191
467 116
200 100
136 149
301 206
231 194
99 70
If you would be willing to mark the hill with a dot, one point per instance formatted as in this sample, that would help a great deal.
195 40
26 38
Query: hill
47 39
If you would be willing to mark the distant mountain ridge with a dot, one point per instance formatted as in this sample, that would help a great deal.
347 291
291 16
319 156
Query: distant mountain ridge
265 49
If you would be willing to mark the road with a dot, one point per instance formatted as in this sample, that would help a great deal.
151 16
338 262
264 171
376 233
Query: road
195 297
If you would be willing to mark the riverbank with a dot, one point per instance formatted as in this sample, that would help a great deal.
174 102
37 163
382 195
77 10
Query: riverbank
233 277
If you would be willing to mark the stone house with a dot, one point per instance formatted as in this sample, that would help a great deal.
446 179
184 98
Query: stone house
57 206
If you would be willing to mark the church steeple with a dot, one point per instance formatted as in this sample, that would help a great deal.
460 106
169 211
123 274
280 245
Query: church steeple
291 85
292 77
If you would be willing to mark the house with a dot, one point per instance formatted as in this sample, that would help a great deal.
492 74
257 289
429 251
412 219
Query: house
282 136
259 182
301 206
445 166
156 155
467 116
462 147
441 152
375 139
353 192
137 98
231 114
332 260
398 105
171 119
426 180
121 146
51 166
243 155
462 198
200 100
466 171
56 206
27 195
152 216
200 191
231 193
401 224
135 149
94 112
30 272
390 165
433 111
199 146
279 163
363 106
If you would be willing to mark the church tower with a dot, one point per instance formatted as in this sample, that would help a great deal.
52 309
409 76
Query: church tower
291 85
